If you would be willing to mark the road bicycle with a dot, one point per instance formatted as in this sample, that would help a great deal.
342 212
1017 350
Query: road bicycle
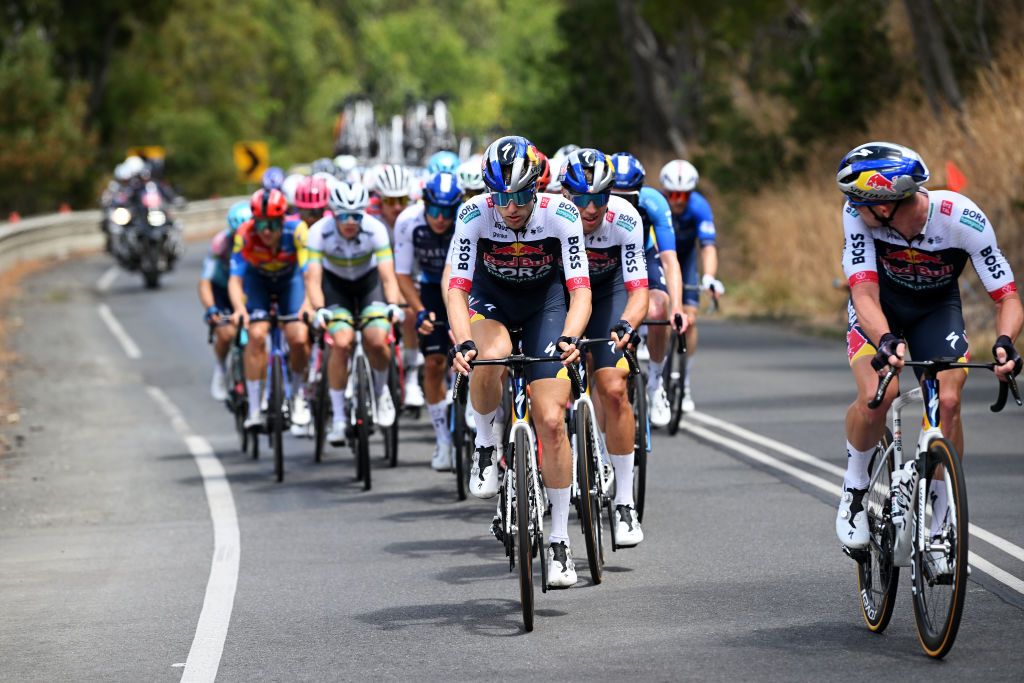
674 373
278 387
900 521
237 401
522 499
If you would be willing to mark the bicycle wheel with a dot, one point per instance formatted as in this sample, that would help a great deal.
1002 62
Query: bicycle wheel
639 400
522 512
588 504
277 416
321 410
676 384
391 433
459 430
877 578
363 419
940 575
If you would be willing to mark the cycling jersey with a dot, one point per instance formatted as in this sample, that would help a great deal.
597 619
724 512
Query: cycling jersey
416 244
217 263
926 268
349 258
251 255
694 224
617 247
657 217
526 259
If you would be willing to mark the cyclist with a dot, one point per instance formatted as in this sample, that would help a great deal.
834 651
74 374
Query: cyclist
694 223
273 178
350 259
392 183
614 234
511 239
423 234
265 263
663 273
471 179
213 292
905 248
444 161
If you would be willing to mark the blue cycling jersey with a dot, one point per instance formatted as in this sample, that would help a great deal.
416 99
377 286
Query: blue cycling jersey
657 218
695 224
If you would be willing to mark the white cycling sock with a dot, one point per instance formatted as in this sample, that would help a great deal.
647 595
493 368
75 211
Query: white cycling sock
411 359
940 505
298 380
655 370
252 389
485 429
623 465
559 499
380 378
338 404
439 417
857 476
689 373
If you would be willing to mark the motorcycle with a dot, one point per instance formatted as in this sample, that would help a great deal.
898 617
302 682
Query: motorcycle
144 236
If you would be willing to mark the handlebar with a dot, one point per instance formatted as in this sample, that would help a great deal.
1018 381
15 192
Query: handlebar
676 323
518 362
627 351
937 365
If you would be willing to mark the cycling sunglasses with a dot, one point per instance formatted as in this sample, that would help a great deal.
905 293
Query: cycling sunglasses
435 211
678 196
309 215
521 198
394 201
354 217
582 201
265 224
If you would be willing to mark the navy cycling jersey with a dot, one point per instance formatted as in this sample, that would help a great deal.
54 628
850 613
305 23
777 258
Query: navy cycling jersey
657 218
694 224
419 247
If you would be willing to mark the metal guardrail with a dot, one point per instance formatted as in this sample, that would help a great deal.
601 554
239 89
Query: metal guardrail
58 235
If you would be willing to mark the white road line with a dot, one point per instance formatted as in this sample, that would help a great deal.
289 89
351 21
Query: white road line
212 629
107 279
130 348
995 572
999 542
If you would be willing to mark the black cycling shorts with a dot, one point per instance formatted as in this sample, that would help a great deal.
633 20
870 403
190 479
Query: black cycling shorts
609 305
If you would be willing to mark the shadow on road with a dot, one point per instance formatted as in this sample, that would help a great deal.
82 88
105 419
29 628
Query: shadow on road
484 617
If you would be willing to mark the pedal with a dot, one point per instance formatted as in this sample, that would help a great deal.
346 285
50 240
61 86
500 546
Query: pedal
860 556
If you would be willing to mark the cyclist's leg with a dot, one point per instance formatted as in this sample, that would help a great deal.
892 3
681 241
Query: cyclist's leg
376 345
691 297
435 351
225 334
257 301
411 360
657 335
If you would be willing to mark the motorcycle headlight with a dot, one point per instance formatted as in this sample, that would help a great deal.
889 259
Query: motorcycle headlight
157 218
121 216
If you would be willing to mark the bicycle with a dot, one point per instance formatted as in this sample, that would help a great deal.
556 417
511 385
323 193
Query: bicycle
521 493
937 564
674 373
361 415
237 402
316 386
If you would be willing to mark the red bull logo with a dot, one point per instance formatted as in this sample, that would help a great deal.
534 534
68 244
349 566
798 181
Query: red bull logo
914 256
517 249
877 181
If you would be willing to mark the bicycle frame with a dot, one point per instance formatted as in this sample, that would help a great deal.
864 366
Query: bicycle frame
521 423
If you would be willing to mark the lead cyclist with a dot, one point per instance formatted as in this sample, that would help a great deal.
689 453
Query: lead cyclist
504 275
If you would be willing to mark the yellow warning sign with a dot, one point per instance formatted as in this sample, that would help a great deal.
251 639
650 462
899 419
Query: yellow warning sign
147 151
251 159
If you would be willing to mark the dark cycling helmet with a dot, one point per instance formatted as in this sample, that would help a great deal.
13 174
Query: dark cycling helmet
322 165
629 172
272 178
311 193
442 189
510 164
880 172
587 171
544 175
268 204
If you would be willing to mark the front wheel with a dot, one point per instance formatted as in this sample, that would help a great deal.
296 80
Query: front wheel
877 577
523 540
588 501
277 416
639 400
459 433
363 419
676 383
940 574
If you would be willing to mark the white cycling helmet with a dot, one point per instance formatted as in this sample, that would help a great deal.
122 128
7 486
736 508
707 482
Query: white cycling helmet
133 166
679 176
289 185
345 163
346 198
392 180
555 163
121 174
470 177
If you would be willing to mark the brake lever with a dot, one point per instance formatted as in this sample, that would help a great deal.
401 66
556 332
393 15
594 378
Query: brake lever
883 385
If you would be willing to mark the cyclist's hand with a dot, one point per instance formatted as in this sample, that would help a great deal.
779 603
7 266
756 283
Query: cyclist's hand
212 315
715 286
425 322
241 319
680 321
567 345
460 355
622 333
890 354
322 318
396 314
1007 359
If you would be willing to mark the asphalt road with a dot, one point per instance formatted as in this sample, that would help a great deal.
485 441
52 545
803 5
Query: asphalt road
107 545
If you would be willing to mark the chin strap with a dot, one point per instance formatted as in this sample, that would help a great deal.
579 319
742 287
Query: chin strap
887 222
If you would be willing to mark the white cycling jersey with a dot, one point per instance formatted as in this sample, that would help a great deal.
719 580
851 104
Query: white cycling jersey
618 245
956 230
350 259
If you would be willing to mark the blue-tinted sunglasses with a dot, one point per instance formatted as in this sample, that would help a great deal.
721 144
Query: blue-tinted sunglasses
583 200
355 217
521 198
435 211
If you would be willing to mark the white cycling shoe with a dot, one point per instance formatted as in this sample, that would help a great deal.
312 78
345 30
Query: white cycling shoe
561 570
254 421
217 389
657 403
385 409
414 395
627 527
687 404
483 475
852 520
300 411
336 435
444 455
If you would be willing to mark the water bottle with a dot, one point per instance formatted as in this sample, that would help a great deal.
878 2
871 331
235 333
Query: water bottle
904 486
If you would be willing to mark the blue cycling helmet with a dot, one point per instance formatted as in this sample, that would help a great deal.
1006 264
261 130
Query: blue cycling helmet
239 213
629 172
443 161
880 172
587 171
272 178
511 164
442 189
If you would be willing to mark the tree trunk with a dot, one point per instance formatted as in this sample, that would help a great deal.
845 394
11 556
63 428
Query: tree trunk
98 76
934 62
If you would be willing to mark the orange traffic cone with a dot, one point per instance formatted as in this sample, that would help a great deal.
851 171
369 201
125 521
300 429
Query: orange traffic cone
64 208
13 217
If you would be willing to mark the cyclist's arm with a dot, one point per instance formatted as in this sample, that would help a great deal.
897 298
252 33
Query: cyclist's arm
673 281
576 269
314 277
236 290
709 259
1009 317
408 289
579 312
634 270
868 305
236 293
862 274
206 293
458 314
388 281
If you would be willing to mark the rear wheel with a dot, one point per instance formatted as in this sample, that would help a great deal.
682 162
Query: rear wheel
940 575
363 419
588 503
391 433
277 416
877 577
321 409
523 540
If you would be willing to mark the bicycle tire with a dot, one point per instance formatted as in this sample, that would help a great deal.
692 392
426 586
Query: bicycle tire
877 578
523 540
363 419
391 433
585 478
459 440
321 409
639 400
676 388
277 416
937 625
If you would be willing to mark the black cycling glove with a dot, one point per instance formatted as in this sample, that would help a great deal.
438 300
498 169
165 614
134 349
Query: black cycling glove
567 341
463 348
1006 344
886 347
623 328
